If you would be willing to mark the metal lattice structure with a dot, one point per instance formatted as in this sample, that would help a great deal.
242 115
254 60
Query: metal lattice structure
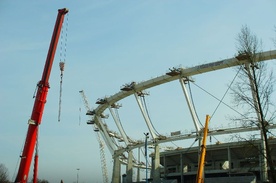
100 141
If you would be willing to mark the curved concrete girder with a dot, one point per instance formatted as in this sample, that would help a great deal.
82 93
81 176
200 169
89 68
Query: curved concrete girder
184 72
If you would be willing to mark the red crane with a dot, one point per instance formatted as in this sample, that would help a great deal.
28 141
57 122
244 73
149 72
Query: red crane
38 108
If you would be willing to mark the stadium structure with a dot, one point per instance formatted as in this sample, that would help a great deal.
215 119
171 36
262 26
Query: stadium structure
236 161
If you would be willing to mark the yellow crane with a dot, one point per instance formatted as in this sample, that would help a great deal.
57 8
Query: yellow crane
199 177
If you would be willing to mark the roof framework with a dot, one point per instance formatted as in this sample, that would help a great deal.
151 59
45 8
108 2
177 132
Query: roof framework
137 89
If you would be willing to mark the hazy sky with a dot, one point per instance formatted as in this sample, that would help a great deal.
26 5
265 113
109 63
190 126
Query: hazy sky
110 43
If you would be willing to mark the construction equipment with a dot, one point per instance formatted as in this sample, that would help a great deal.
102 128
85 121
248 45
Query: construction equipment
100 141
199 177
38 107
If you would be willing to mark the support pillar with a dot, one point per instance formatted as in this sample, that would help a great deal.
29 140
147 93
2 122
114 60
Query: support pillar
165 166
229 160
129 167
116 175
138 168
156 165
181 168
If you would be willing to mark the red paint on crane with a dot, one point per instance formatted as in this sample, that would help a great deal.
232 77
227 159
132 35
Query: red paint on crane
39 103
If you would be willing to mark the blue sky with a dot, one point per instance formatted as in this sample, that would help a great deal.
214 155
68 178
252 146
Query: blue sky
110 43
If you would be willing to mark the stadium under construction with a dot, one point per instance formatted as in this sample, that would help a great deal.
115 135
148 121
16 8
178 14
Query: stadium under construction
236 161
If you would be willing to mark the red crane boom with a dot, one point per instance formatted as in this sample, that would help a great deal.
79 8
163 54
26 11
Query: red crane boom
39 103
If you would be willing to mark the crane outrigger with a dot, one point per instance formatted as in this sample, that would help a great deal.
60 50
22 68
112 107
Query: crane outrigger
38 107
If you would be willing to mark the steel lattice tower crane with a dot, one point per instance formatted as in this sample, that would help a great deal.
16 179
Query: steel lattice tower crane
100 141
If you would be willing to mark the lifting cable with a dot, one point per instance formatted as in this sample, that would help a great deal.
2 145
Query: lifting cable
188 149
145 105
226 92
220 100
62 61
174 144
118 117
217 99
192 99
196 139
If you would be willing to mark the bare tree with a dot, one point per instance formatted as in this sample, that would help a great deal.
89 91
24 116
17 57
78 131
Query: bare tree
253 92
254 79
4 174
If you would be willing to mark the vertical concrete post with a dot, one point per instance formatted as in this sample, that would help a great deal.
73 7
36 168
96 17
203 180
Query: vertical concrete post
156 165
181 168
138 168
116 175
152 167
129 167
229 159
138 175
165 166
